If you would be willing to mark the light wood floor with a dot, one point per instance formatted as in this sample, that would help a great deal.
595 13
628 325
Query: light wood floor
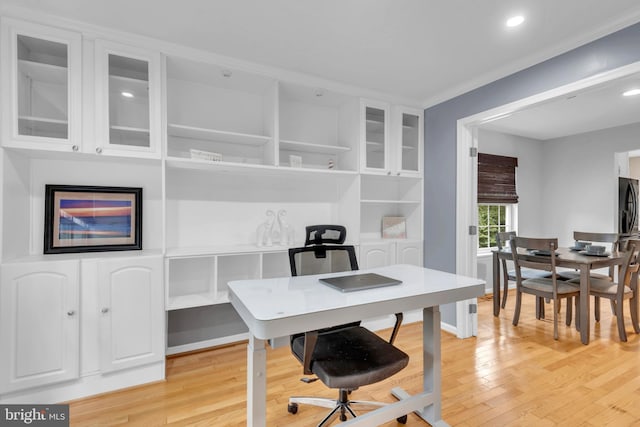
506 376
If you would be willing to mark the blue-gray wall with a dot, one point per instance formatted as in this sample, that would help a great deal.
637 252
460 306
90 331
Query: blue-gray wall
610 52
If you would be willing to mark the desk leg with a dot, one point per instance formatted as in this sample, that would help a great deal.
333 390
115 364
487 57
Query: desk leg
585 324
256 383
432 374
496 284
432 363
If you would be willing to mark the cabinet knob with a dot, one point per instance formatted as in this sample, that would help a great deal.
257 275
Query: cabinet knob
71 313
105 310
75 148
398 173
388 172
99 150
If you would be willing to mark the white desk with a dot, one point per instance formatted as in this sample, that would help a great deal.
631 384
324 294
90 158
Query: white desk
279 307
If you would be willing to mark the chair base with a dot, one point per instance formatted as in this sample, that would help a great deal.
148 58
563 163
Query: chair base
342 407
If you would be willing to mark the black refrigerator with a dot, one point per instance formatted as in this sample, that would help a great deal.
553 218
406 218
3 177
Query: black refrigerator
627 205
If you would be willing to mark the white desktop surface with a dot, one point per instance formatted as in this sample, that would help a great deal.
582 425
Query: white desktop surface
269 306
283 306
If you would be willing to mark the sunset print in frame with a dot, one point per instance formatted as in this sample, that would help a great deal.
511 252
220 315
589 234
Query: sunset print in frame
80 218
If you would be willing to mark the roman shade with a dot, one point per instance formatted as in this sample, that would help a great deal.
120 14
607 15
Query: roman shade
497 179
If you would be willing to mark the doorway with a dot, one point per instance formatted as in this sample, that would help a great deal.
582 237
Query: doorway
468 130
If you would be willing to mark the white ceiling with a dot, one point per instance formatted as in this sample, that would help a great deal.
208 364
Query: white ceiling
595 108
424 51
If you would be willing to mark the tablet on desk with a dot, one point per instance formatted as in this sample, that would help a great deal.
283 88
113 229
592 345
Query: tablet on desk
359 282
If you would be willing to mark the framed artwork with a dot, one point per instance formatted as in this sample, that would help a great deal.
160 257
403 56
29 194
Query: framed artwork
81 218
394 227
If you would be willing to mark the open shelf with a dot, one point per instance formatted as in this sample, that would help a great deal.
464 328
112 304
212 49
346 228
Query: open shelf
193 132
312 148
196 300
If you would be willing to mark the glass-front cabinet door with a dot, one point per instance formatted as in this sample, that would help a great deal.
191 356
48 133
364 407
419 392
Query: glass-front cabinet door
128 100
374 130
41 81
408 137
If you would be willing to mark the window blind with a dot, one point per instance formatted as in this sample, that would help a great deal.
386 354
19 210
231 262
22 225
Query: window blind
497 179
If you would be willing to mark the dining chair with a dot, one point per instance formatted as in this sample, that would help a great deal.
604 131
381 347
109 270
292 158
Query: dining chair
540 254
612 239
346 356
502 241
626 287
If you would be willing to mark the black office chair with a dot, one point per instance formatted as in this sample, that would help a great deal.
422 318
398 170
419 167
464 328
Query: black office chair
346 356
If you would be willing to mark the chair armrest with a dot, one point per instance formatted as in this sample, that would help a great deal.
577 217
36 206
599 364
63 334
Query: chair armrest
310 339
396 328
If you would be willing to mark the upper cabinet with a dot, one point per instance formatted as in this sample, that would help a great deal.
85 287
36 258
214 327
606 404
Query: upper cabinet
374 137
391 139
41 83
127 84
407 141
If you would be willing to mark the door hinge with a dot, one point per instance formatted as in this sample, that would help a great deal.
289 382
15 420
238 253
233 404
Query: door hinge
473 230
473 152
473 308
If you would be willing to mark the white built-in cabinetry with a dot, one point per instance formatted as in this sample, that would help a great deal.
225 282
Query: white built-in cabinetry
39 324
128 107
214 148
59 314
41 86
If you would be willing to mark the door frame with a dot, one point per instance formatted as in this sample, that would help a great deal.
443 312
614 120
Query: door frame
466 182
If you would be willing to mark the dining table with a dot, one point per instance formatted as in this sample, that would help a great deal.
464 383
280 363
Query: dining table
566 258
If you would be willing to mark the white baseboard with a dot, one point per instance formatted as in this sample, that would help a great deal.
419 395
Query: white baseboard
88 385
206 344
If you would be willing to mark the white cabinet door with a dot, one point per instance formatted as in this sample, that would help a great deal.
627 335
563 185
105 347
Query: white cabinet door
409 253
374 137
39 324
41 85
376 255
127 101
131 312
407 142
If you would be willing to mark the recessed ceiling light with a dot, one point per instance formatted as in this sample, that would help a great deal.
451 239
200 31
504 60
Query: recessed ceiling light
126 94
631 92
514 21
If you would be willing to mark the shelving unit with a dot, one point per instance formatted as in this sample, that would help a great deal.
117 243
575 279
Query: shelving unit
201 215
218 110
41 86
317 126
127 90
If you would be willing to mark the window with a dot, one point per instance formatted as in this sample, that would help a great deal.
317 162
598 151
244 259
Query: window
492 219
497 197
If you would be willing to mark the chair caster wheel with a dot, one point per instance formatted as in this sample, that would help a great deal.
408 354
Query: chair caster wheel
292 408
402 419
343 417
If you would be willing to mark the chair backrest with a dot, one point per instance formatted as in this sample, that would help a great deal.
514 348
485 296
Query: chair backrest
629 268
613 238
319 234
503 238
319 259
520 247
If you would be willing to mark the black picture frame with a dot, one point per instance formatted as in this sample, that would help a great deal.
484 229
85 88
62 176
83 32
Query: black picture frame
85 218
